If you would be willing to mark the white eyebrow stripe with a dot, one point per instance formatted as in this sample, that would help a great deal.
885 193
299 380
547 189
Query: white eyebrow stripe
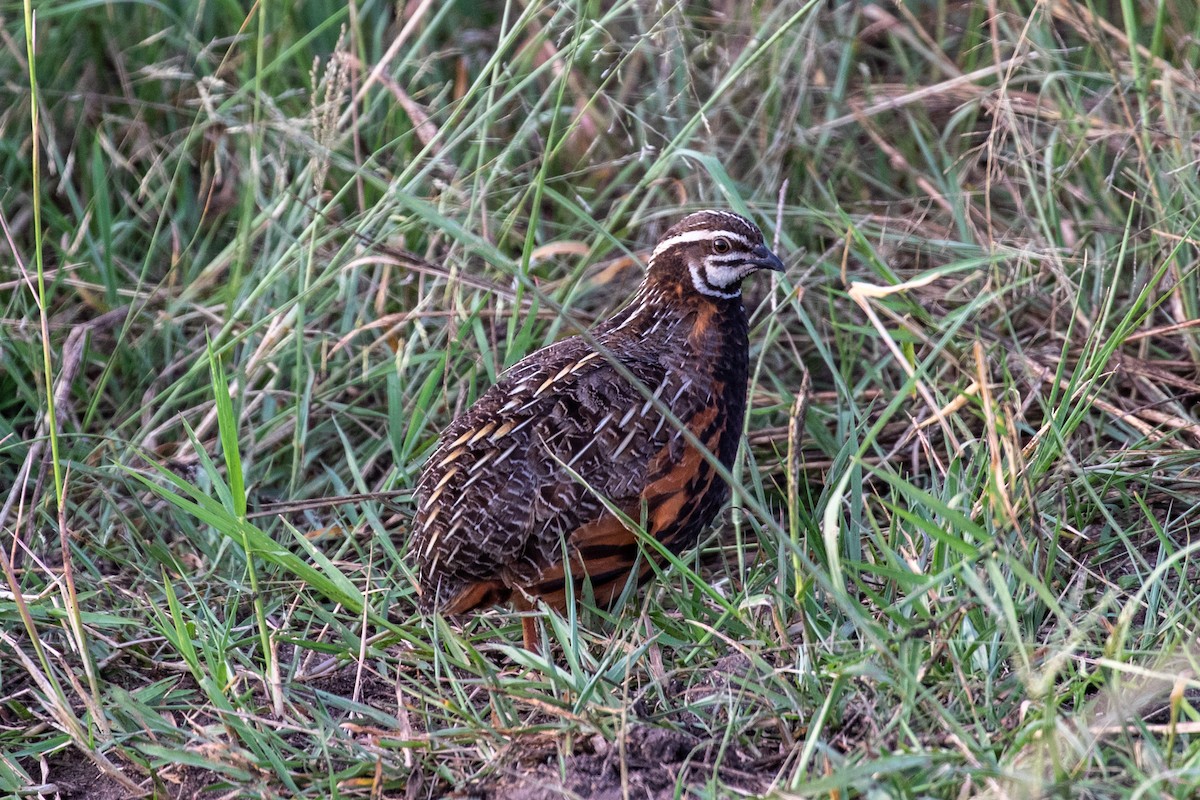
698 236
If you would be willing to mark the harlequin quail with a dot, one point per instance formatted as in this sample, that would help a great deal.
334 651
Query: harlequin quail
520 491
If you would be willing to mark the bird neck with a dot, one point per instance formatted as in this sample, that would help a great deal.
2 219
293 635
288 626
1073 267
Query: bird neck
683 290
666 309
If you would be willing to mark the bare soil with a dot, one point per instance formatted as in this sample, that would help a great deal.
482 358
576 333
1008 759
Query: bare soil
649 763
77 777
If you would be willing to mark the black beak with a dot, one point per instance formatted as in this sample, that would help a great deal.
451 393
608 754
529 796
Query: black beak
765 259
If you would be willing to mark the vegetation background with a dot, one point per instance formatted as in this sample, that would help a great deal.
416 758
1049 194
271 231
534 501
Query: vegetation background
256 256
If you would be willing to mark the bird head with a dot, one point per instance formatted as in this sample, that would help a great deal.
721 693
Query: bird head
710 253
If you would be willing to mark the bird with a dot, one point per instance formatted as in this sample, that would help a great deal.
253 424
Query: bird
543 483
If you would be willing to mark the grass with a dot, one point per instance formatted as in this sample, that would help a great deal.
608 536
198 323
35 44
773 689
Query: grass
278 252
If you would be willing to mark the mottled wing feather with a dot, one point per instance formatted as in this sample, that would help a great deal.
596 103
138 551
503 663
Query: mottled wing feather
498 499
679 495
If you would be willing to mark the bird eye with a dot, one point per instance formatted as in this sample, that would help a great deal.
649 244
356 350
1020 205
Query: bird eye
721 245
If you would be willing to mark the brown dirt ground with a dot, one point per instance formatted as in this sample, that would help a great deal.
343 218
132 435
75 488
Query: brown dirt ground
651 765
78 778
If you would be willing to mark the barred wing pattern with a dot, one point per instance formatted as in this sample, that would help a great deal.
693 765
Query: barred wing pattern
525 470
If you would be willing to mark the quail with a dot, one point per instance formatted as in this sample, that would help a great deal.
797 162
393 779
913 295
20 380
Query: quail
518 501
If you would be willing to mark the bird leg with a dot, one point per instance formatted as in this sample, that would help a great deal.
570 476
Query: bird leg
523 603
529 632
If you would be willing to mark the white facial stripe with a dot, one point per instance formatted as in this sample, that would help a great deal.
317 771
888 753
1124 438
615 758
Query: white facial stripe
699 236
703 287
725 258
721 276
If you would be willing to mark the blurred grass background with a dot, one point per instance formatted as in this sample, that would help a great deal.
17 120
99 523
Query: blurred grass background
269 252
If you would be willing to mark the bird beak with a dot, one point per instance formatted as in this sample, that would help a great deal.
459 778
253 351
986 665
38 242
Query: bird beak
765 259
